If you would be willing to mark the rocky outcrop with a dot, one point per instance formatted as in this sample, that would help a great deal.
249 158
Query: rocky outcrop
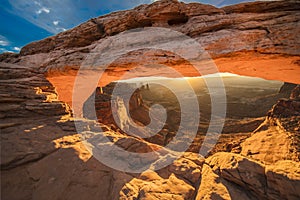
248 33
131 115
105 103
164 13
231 176
287 108
45 159
287 88
278 137
259 20
28 103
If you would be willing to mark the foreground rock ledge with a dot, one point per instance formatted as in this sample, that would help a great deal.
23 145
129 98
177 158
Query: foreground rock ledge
45 159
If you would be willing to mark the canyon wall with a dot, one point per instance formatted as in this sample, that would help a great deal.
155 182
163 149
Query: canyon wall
43 157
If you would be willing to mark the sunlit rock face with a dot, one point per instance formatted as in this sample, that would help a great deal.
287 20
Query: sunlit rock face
43 157
105 104
255 26
258 35
286 108
279 133
130 114
227 175
126 115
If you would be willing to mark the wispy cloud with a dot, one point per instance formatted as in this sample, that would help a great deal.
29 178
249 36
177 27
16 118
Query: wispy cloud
43 10
55 23
17 48
3 50
61 29
53 16
37 3
3 41
5 46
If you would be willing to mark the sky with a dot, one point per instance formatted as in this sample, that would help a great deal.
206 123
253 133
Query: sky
25 21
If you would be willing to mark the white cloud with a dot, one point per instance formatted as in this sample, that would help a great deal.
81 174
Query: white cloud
37 3
43 9
3 50
46 14
3 41
61 29
17 48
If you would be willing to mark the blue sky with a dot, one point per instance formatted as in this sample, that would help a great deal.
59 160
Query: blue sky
24 21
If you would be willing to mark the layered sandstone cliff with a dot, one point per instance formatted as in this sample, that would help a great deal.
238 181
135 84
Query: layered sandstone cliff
258 35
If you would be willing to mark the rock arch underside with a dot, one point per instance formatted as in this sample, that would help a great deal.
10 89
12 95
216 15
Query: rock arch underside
43 157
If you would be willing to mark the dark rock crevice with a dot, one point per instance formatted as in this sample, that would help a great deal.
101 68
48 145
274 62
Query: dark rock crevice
25 160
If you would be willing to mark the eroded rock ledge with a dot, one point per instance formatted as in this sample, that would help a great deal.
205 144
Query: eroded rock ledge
42 156
261 21
261 36
45 159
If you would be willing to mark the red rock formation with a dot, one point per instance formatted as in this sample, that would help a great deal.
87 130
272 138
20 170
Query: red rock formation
261 36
